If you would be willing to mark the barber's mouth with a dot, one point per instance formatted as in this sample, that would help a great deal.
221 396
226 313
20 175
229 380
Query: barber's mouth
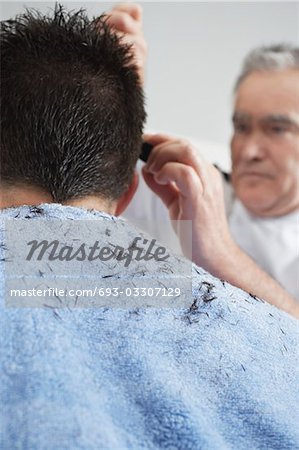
255 175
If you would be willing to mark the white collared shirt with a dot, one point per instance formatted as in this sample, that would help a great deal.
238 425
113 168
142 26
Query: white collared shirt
272 242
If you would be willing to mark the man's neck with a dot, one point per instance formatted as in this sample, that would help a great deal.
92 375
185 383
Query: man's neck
26 195
22 195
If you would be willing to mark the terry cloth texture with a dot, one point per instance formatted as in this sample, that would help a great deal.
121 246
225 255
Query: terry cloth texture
220 374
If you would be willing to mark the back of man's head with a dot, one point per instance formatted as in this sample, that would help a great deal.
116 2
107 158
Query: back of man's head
72 108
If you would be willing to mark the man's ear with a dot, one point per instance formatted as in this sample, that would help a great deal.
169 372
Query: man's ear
127 196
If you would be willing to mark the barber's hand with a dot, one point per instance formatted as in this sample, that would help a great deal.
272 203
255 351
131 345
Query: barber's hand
126 20
191 188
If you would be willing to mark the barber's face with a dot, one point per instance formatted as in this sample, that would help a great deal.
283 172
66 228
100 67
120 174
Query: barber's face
265 143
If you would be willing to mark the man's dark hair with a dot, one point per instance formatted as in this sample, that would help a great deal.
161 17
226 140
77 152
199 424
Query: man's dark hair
72 107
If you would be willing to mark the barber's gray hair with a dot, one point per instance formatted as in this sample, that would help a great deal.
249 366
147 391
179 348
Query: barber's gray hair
269 58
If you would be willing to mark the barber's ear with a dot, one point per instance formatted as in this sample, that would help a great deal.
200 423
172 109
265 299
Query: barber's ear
127 196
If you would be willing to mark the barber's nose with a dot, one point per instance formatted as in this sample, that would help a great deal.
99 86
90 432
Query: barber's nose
253 149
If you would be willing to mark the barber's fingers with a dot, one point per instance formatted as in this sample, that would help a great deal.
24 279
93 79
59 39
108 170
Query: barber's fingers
167 193
174 150
184 177
124 23
179 151
133 9
157 139
188 184
176 182
167 148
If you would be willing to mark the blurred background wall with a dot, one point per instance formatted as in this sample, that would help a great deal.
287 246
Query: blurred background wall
195 53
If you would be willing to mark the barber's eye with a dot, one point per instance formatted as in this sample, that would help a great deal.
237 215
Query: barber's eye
277 129
241 128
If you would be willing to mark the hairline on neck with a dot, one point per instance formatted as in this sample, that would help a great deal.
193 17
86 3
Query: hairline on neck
14 195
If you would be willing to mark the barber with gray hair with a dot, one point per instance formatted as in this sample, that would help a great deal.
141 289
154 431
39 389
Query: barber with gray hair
245 229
